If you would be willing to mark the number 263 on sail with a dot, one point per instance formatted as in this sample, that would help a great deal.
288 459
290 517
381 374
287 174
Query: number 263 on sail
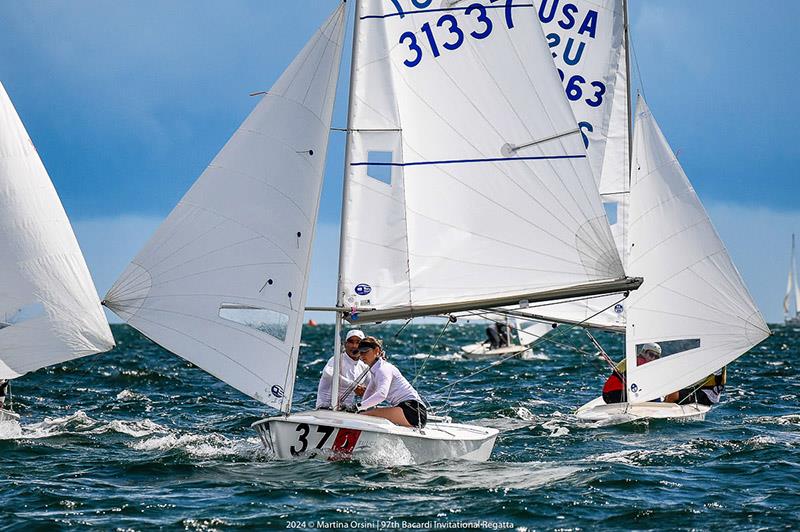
452 32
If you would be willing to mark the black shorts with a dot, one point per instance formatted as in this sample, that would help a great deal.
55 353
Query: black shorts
415 412
613 397
688 396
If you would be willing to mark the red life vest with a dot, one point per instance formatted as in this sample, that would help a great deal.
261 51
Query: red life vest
613 384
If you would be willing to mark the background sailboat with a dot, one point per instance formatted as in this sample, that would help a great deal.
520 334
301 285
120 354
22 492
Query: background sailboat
590 46
49 309
792 291
693 302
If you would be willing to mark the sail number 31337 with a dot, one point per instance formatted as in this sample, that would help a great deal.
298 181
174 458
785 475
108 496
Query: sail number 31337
450 34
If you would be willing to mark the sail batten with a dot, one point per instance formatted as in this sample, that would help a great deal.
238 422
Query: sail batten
223 282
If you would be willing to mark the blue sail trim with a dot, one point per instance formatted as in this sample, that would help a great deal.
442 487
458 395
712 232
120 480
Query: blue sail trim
439 10
467 161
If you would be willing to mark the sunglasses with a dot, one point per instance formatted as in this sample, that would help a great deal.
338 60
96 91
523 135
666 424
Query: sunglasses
366 348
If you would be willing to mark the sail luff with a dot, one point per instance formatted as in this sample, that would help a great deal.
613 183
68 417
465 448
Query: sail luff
345 219
628 95
348 156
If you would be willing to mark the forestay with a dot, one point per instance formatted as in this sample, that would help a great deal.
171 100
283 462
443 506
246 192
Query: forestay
223 281
467 176
49 309
693 301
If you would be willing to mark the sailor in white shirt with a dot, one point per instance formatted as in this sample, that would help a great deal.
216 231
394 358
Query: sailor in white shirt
388 384
350 370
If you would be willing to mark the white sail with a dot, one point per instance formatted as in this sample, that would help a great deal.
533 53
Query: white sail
693 301
529 332
49 309
467 178
790 286
223 281
796 284
587 42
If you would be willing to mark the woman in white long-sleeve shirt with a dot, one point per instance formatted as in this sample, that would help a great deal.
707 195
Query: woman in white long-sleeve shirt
388 384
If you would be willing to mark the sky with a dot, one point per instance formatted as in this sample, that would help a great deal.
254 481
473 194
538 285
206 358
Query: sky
128 101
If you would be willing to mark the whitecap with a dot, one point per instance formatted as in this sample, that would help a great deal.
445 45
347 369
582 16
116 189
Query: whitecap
203 445
450 356
129 395
528 355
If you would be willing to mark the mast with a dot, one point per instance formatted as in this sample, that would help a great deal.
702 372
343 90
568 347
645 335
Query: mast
337 351
790 287
628 83
793 274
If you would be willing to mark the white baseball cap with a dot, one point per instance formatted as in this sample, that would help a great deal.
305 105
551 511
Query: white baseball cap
354 332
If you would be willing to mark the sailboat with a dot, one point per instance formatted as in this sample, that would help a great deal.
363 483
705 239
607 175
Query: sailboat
792 290
49 309
518 336
693 302
466 186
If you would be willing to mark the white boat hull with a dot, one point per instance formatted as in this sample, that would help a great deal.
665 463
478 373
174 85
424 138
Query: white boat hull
344 436
616 413
476 351
8 415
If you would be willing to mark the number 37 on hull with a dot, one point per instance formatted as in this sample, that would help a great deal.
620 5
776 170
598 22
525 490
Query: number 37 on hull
345 436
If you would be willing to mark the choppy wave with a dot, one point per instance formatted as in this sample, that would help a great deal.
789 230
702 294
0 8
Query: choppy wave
79 423
141 439
205 446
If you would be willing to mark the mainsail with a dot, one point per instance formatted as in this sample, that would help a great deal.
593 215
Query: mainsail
223 281
467 180
49 309
693 301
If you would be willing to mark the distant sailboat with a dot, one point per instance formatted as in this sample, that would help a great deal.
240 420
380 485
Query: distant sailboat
49 309
466 187
518 338
792 291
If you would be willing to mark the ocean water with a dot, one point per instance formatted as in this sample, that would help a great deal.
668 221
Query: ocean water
138 439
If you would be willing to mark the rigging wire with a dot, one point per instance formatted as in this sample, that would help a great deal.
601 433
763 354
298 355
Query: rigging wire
561 332
435 345
636 63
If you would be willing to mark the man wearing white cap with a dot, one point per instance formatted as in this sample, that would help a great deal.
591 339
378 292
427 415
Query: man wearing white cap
350 370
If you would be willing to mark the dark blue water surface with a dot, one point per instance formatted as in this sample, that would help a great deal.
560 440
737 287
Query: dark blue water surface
139 439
